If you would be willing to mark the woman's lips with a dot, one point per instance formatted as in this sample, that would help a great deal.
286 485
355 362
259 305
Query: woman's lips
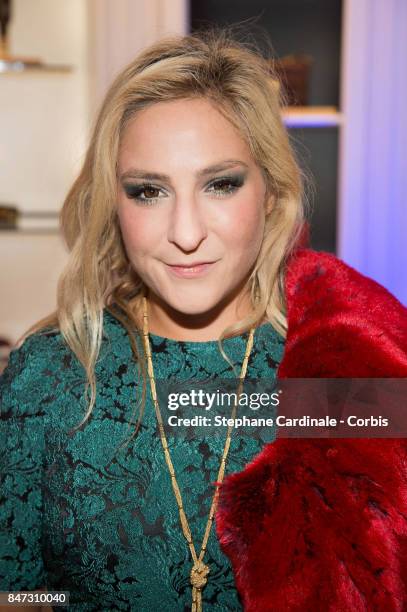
191 271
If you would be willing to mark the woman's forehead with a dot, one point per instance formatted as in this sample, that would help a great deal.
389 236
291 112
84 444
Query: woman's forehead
190 132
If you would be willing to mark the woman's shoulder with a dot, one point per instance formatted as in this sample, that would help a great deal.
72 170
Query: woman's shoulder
47 350
43 366
343 322
317 277
31 369
38 348
307 267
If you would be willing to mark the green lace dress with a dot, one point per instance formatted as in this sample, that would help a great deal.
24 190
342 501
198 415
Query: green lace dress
78 513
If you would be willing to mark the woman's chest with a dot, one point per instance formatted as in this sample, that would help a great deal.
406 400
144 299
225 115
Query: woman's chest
111 527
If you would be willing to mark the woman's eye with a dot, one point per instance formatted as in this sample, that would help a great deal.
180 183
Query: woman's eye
147 194
225 186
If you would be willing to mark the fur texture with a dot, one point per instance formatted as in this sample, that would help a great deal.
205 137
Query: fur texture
321 524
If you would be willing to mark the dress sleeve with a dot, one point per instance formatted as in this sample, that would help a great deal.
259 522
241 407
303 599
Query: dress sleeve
21 468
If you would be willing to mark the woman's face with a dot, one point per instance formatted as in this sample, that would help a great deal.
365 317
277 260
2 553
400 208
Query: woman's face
189 191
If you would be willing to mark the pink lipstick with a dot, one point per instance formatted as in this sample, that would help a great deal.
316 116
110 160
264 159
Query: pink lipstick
191 271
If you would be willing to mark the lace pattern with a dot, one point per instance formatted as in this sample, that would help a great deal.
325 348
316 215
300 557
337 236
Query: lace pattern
81 515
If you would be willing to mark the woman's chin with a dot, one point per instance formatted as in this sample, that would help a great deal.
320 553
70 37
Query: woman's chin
197 309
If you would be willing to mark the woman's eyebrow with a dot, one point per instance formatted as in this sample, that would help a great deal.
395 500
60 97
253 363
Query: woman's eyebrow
157 176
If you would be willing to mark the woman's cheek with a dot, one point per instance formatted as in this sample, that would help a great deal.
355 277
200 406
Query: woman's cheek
248 224
139 235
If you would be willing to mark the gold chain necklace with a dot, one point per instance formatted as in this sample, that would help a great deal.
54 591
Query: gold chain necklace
199 571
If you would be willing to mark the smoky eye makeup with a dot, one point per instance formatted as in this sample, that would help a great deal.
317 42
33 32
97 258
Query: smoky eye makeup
221 186
135 191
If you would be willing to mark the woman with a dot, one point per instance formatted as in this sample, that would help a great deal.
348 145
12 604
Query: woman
183 228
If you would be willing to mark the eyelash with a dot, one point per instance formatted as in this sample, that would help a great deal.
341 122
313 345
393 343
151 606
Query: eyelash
134 191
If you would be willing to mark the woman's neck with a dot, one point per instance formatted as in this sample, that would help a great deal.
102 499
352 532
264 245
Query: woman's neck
169 323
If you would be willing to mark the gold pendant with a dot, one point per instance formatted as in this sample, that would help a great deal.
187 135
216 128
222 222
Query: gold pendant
198 578
199 574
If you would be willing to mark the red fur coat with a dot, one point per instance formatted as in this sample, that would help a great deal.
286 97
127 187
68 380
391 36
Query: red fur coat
321 524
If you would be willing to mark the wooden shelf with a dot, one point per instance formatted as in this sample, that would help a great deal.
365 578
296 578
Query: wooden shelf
312 116
34 222
18 67
30 231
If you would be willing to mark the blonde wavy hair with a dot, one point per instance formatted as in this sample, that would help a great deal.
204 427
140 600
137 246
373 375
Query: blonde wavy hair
242 85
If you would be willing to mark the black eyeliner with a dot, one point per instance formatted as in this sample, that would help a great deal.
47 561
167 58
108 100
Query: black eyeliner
236 179
133 191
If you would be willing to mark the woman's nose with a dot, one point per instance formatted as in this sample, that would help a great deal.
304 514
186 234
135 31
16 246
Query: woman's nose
187 227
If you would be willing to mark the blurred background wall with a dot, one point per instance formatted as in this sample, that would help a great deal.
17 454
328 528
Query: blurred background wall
43 127
351 134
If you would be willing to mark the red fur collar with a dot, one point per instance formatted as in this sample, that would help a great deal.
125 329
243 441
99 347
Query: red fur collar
321 524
